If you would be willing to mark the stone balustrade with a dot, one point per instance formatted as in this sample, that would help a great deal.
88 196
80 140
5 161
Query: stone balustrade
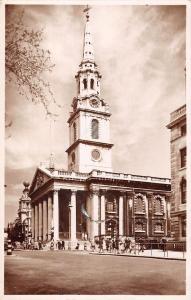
109 175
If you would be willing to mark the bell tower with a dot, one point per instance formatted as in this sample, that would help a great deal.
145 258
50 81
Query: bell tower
89 122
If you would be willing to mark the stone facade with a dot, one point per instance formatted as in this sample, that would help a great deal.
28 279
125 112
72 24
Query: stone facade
178 172
115 204
88 199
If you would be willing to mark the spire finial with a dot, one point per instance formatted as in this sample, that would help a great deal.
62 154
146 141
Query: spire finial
87 10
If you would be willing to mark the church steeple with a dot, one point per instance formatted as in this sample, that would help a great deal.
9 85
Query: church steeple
88 49
88 76
89 122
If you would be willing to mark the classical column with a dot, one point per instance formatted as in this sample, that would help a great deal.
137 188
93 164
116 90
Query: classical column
150 213
36 222
165 214
121 214
56 215
50 217
94 212
73 216
168 215
33 221
146 213
103 214
40 220
45 219
130 196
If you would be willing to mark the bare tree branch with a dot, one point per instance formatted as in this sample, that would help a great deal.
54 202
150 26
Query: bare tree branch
26 62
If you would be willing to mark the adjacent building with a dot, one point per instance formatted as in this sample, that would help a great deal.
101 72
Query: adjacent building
20 229
88 199
177 126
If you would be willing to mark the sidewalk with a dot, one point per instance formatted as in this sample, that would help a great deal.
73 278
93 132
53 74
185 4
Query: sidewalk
156 253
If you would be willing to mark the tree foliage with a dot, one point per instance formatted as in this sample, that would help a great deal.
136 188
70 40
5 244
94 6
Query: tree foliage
26 62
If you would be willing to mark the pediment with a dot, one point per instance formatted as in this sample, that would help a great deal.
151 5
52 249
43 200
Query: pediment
40 178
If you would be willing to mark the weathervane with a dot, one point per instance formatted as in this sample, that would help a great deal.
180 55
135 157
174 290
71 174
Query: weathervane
87 10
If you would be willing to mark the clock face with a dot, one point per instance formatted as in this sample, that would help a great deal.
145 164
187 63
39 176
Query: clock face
94 103
96 155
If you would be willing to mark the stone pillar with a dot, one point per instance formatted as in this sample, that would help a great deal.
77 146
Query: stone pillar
72 216
147 214
40 220
150 213
94 212
50 217
36 222
121 214
33 221
103 214
45 220
56 215
130 220
168 216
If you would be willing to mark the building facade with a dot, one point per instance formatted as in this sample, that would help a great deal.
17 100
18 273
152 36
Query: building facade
177 126
89 199
20 229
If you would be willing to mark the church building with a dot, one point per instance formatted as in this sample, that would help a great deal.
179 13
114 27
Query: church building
88 199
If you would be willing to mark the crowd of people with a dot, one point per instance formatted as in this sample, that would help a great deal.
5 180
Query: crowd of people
101 244
118 245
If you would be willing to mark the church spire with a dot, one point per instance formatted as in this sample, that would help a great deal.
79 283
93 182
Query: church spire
88 50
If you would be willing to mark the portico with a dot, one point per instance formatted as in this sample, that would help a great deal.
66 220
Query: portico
112 206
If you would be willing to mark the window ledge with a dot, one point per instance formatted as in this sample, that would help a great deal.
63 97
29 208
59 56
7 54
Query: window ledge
136 230
183 168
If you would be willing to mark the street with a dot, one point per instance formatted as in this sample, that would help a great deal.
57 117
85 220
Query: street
63 272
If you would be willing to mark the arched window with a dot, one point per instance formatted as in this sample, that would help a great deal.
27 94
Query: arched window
139 204
85 83
183 190
92 84
74 132
95 129
158 205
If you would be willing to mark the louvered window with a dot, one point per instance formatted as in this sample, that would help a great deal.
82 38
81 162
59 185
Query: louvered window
95 129
92 84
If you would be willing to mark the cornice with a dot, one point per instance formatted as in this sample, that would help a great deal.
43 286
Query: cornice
89 111
87 142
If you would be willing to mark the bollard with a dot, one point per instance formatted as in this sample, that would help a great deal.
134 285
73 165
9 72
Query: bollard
9 248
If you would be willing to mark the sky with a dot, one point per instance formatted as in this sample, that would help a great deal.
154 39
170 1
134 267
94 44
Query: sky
140 52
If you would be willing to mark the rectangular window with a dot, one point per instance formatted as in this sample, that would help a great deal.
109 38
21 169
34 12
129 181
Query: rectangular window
183 226
183 191
183 158
183 130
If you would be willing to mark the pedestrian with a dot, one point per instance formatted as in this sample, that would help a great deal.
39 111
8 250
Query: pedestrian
92 246
127 244
132 246
63 245
59 245
100 245
117 245
77 246
141 245
52 245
